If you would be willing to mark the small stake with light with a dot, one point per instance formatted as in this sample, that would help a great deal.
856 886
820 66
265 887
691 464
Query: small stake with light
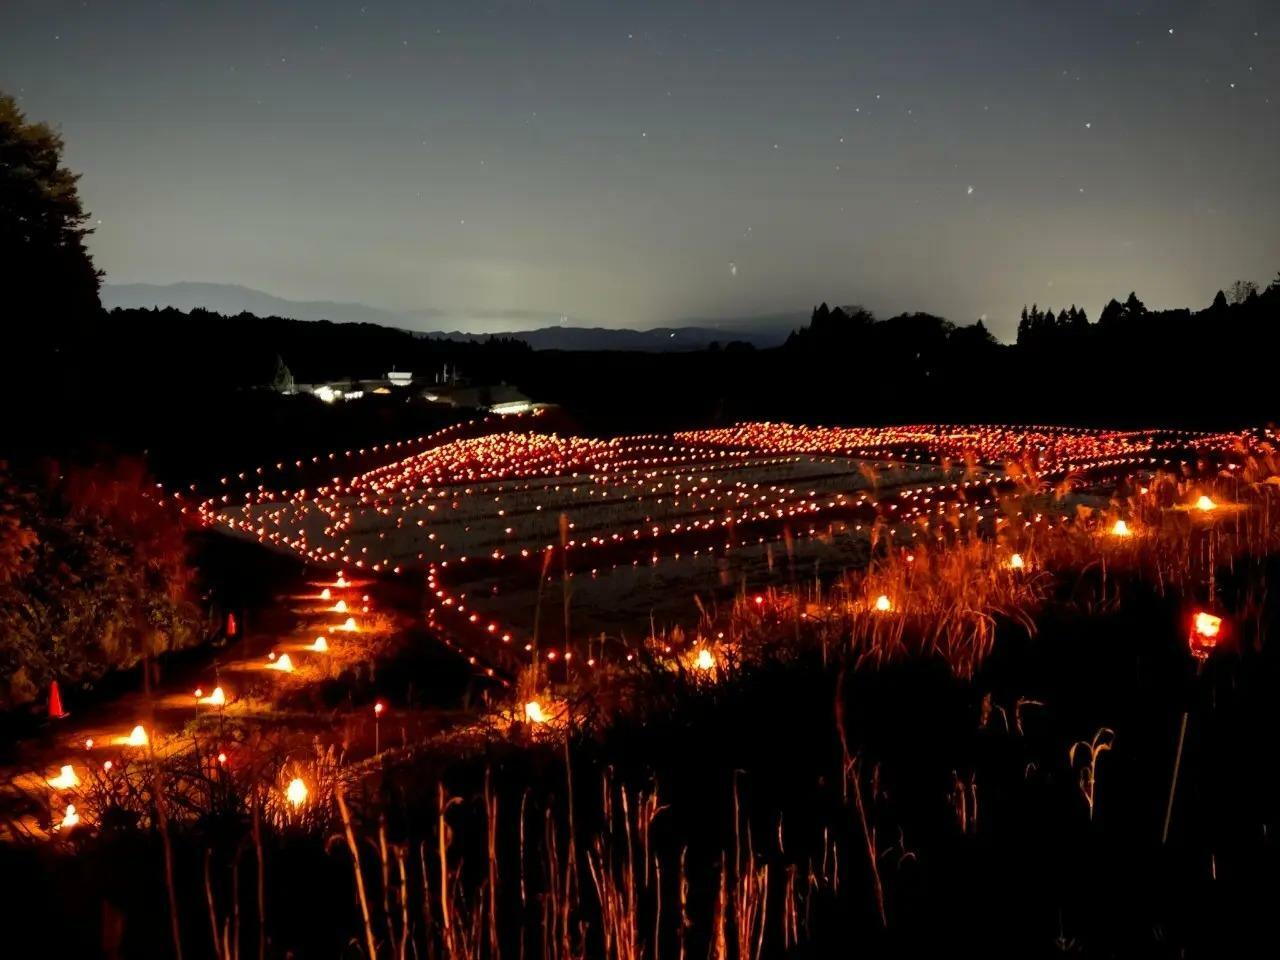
1206 633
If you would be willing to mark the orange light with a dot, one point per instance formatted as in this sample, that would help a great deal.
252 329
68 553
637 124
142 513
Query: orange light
378 708
66 778
883 604
1206 629
704 660
1121 529
1205 503
137 737
216 699
325 594
350 625
1207 625
1016 562
283 663
321 645
70 819
534 713
296 793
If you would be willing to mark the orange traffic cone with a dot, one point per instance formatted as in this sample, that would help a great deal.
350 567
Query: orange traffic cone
55 702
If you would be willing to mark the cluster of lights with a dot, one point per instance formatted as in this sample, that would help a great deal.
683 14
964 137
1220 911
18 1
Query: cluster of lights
479 501
296 793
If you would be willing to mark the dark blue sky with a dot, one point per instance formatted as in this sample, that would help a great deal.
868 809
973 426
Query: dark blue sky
635 164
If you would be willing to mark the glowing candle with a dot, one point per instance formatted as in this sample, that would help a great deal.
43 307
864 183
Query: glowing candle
66 778
296 793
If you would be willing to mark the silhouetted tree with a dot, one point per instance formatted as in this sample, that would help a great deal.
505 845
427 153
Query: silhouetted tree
1112 315
1242 290
283 379
47 275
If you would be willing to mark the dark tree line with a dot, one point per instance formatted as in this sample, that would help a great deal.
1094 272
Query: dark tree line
1044 326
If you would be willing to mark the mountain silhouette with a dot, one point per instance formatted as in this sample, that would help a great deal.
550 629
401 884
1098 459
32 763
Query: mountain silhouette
541 330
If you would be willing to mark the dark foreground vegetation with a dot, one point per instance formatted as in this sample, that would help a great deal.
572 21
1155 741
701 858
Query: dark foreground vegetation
801 809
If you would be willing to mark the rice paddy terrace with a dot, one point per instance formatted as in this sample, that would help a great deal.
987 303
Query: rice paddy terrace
572 549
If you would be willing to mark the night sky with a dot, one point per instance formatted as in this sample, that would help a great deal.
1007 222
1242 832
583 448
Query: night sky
641 164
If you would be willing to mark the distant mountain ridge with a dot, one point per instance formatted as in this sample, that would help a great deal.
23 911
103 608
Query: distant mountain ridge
543 332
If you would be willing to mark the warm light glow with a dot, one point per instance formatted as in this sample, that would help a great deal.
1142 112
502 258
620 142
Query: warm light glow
66 778
321 645
883 604
324 594
378 708
282 663
704 660
70 818
350 625
341 581
1205 503
296 793
1016 562
1207 625
1206 629
533 711
1121 529
340 607
137 737
216 699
